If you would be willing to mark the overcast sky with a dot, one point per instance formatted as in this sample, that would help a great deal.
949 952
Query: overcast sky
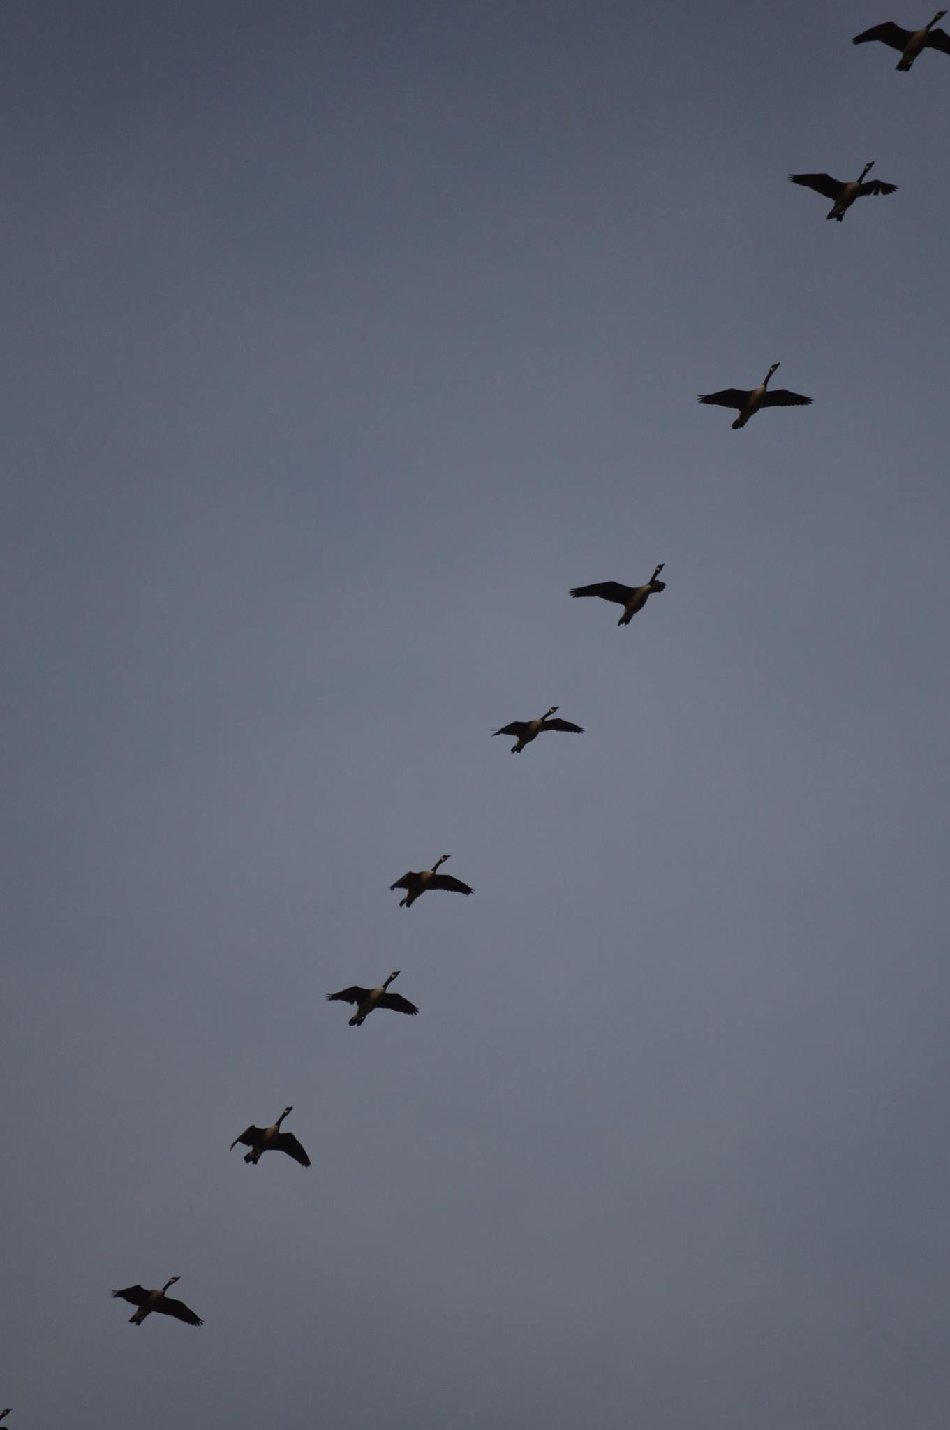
339 342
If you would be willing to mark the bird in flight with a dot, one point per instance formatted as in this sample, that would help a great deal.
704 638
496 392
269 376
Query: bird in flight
527 730
843 194
416 883
748 403
366 999
149 1301
909 42
632 598
271 1139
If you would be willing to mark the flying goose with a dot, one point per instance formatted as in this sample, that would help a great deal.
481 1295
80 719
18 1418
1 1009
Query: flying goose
909 42
844 195
749 403
271 1139
366 999
149 1301
416 883
527 730
632 598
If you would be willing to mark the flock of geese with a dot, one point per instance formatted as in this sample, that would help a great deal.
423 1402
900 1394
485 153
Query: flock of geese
747 402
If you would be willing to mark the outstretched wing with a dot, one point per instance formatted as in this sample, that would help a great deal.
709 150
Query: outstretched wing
888 34
287 1142
875 186
349 995
136 1294
168 1306
517 728
821 183
562 725
397 1002
405 882
939 40
607 591
250 1137
445 881
781 397
729 397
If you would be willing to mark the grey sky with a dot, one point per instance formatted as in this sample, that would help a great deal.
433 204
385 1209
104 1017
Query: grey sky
339 343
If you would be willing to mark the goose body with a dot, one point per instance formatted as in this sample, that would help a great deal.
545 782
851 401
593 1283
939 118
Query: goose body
366 999
417 882
271 1139
527 730
843 195
148 1301
748 403
909 42
632 598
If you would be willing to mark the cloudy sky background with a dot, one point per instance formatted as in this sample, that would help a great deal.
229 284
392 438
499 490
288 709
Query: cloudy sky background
339 342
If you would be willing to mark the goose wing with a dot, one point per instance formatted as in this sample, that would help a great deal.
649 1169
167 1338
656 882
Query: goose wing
729 397
781 397
396 1000
821 183
875 186
406 882
349 995
168 1306
250 1137
939 40
136 1294
287 1142
562 725
517 727
888 34
607 591
446 881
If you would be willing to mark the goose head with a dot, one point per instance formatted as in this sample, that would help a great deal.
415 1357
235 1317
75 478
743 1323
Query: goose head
553 711
441 860
939 16
170 1282
655 584
867 169
774 368
394 974
283 1115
